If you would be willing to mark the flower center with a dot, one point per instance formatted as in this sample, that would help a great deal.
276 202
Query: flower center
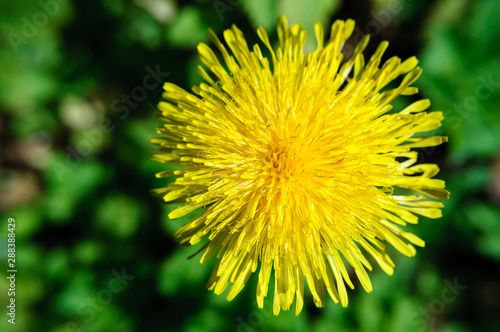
281 161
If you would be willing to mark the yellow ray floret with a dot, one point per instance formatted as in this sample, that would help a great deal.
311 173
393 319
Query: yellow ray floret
295 158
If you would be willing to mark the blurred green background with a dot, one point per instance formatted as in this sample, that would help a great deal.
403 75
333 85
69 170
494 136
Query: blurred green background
77 109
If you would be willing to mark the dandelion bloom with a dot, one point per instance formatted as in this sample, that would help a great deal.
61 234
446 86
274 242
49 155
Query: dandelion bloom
299 163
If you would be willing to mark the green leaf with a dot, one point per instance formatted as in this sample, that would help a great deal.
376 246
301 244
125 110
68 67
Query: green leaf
307 13
188 29
119 215
206 321
88 251
262 13
178 272
68 183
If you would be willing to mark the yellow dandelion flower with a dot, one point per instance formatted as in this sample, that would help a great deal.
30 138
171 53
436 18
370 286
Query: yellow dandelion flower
297 161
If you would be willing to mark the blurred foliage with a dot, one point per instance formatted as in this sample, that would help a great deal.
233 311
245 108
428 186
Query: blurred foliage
80 194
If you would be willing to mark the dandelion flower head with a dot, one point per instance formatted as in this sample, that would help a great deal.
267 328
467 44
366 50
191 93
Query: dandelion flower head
301 167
